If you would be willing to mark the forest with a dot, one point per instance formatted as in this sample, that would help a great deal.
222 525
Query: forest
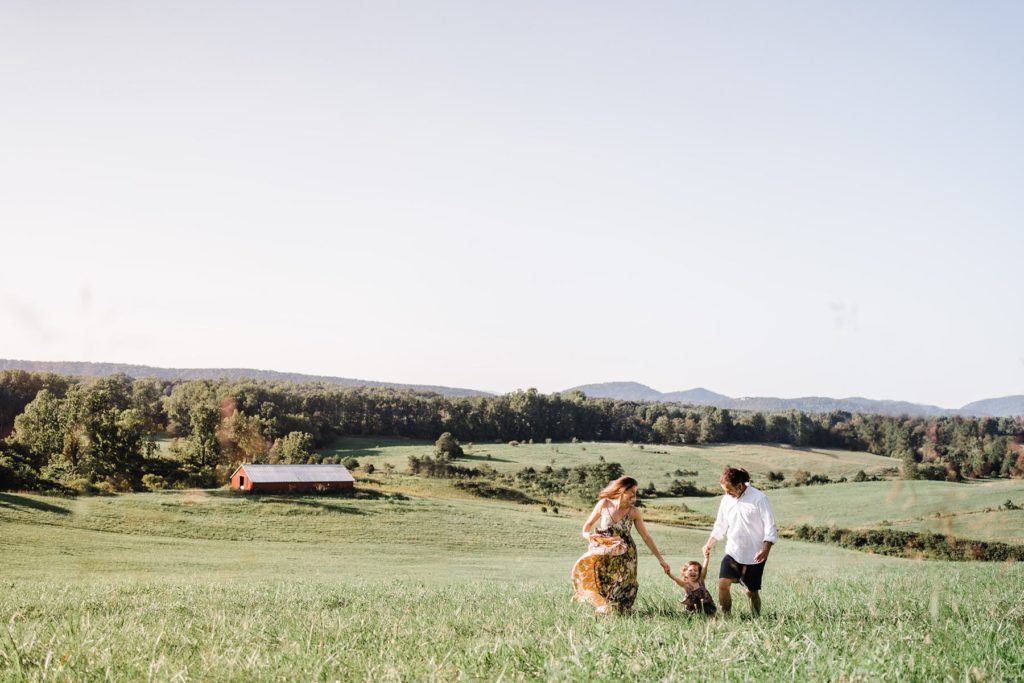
60 432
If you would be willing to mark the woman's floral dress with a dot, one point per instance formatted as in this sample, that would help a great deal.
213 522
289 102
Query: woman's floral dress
606 575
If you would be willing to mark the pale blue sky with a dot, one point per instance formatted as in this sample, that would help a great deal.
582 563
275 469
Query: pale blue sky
759 198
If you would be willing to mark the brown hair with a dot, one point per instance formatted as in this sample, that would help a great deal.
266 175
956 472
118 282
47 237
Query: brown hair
735 475
694 562
617 487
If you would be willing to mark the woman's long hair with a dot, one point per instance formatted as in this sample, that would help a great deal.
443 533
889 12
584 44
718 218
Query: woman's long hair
617 487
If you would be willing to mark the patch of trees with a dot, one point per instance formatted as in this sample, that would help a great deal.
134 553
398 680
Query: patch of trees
485 489
911 544
86 432
676 489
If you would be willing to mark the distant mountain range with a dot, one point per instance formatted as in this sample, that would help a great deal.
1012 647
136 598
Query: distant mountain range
102 369
1006 406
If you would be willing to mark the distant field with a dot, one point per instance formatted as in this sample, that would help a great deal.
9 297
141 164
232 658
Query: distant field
217 586
656 464
227 535
903 504
1000 525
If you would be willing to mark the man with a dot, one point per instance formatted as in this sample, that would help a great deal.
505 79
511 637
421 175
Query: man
745 516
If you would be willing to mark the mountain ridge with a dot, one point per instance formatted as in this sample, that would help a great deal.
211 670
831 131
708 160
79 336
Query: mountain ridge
90 369
1006 406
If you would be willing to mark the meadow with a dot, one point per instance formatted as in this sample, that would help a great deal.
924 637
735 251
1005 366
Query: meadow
412 579
646 463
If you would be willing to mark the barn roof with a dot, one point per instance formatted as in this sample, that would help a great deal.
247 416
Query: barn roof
274 474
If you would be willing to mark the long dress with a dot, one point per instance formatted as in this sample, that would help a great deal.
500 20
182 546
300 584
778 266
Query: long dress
606 574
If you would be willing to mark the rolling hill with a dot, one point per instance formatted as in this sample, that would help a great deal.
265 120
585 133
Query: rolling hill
1007 406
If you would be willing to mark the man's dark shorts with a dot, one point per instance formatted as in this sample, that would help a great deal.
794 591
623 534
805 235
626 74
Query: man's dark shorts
747 574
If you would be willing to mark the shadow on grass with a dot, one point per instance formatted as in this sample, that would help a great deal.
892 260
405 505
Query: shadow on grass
319 505
482 458
305 497
9 500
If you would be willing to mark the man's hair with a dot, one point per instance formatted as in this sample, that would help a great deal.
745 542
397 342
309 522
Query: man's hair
617 487
735 475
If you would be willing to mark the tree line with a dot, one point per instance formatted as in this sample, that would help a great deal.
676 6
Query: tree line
73 432
912 544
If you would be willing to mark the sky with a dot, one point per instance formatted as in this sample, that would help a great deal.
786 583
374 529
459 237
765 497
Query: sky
763 199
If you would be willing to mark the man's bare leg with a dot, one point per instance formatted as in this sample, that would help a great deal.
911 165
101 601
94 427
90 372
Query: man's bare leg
755 602
725 596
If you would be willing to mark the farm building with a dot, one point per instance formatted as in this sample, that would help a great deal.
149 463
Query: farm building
291 478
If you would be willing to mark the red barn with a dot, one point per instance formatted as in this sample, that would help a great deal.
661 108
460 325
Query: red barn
291 478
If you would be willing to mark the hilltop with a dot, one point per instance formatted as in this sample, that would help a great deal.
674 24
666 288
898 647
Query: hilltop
84 369
1007 406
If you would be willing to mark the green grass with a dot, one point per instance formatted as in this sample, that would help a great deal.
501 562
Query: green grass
891 624
434 585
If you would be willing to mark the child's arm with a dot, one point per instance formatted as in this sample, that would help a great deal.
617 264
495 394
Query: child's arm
677 580
704 567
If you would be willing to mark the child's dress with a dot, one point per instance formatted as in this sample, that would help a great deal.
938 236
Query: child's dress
699 600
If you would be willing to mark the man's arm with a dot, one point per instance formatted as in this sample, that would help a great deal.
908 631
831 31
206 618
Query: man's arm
720 528
770 531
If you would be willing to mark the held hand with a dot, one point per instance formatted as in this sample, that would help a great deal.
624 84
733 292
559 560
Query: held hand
666 567
707 553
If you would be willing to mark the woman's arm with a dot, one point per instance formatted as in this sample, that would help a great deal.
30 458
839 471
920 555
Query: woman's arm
591 520
638 520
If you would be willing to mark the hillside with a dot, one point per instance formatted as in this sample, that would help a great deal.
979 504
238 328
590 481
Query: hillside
83 369
1008 406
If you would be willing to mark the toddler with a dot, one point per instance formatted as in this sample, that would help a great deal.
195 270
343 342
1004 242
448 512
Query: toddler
691 579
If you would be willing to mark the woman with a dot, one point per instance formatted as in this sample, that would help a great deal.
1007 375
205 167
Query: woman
606 575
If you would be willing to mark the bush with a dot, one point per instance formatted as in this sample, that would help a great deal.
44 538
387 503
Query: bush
81 485
447 446
350 463
154 482
931 471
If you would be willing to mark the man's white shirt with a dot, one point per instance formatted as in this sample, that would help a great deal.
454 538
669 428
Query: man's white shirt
748 521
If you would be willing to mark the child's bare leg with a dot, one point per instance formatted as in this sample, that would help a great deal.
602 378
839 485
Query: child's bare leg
755 602
725 596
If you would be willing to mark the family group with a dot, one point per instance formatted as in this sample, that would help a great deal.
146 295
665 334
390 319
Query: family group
606 575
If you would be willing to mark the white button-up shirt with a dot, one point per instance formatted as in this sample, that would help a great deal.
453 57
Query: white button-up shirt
748 521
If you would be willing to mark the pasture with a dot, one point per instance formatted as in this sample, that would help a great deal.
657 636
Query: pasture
646 463
412 579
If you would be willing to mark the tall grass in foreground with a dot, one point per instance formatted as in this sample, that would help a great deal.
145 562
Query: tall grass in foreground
941 622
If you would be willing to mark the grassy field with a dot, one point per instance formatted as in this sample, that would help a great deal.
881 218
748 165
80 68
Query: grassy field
968 509
412 579
647 464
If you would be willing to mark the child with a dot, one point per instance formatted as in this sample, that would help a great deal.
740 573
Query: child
691 579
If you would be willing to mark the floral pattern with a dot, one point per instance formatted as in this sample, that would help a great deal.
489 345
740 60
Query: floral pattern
606 574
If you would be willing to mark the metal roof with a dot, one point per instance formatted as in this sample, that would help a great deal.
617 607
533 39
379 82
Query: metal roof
274 474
